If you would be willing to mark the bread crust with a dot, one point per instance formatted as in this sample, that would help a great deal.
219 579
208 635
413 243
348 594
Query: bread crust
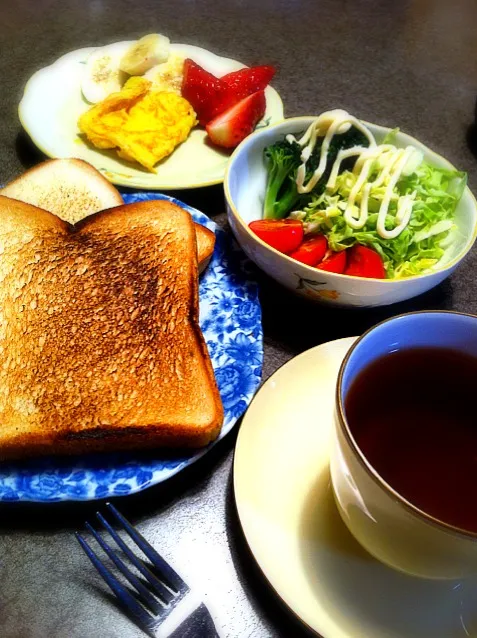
205 246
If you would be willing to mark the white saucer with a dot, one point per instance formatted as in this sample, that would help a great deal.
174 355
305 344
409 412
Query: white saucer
287 511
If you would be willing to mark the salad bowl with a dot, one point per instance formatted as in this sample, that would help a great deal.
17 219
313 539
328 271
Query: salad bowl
245 187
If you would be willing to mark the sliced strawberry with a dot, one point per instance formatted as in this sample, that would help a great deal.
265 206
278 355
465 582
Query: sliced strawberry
247 81
207 94
229 128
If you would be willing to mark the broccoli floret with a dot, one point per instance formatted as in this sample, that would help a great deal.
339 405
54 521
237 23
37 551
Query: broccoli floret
283 160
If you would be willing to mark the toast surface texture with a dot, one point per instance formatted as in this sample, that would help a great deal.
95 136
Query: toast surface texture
72 190
99 337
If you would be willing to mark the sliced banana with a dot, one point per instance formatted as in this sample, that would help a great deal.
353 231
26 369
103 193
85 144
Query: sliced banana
150 50
168 75
102 75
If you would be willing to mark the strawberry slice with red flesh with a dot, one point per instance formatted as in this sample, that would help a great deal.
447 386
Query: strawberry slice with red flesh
208 95
247 81
229 128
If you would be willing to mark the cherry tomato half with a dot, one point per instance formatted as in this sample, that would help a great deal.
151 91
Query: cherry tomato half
311 251
283 234
335 262
364 262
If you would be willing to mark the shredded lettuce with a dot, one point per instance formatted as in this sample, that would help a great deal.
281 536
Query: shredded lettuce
390 138
421 244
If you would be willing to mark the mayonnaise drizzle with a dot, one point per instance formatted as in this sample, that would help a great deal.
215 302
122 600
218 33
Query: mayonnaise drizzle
391 161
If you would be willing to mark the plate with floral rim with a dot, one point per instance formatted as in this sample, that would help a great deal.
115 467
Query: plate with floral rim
230 319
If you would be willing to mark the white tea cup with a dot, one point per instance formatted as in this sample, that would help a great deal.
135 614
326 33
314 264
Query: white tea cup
388 526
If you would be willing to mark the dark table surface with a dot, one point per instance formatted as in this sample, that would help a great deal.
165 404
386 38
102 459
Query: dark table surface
411 64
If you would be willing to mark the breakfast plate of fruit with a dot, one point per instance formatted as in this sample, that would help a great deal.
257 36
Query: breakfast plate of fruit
148 113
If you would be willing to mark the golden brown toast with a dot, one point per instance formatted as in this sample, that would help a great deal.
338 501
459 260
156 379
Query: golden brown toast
72 189
205 245
99 335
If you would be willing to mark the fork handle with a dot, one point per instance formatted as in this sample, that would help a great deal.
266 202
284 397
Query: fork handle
198 625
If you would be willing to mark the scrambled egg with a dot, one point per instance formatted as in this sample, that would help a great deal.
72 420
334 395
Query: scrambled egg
142 123
168 75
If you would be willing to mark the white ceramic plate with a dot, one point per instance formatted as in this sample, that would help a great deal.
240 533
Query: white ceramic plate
288 514
52 103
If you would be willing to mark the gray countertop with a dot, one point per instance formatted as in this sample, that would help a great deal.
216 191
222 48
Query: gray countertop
411 64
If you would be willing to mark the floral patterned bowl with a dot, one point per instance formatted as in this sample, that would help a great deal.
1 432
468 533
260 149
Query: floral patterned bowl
230 318
244 185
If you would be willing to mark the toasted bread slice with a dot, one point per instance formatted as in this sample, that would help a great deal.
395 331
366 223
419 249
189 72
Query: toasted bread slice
205 246
72 189
99 334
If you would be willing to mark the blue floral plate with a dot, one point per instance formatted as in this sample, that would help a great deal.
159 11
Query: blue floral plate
230 318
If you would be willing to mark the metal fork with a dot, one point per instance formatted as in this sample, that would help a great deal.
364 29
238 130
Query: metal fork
163 604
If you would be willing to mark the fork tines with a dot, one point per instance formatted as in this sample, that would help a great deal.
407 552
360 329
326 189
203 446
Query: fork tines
162 588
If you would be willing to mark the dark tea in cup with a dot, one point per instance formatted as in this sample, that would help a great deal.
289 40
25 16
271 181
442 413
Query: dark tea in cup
413 415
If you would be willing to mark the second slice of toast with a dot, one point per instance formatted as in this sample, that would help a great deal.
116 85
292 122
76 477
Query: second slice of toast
72 190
